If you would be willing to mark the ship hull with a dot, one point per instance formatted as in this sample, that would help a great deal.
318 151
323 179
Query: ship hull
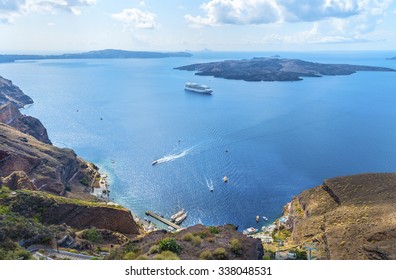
199 91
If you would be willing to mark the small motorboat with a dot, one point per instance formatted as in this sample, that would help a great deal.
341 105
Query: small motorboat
154 162
170 228
225 179
265 218
257 218
250 230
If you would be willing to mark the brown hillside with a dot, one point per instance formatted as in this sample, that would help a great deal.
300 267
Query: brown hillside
351 217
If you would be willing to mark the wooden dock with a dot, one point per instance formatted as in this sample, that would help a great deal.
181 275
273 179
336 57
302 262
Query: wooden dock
163 220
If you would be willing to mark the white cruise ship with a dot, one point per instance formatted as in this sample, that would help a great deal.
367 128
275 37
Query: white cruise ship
198 88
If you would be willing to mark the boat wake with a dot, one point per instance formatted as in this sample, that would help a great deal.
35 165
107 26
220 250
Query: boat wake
172 157
209 184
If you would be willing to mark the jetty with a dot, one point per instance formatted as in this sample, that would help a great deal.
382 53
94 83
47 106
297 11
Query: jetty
163 220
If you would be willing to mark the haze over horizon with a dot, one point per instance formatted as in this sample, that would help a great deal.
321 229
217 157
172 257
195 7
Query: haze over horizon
177 25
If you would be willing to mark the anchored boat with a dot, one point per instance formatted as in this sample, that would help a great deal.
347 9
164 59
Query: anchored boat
177 215
180 219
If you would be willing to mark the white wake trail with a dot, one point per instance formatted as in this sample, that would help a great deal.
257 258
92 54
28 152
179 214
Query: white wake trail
173 156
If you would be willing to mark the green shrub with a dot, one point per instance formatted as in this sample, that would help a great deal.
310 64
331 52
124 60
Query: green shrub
301 254
155 249
220 254
166 255
92 235
197 240
170 244
266 258
203 233
205 255
214 230
142 257
18 254
84 181
187 237
236 246
4 210
130 256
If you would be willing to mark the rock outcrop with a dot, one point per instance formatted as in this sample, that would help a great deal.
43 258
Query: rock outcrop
274 69
18 180
49 168
197 242
11 93
9 114
74 213
351 217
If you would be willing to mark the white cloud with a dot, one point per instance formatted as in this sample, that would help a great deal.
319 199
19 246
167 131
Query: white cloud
50 6
330 31
135 18
334 21
10 9
237 12
219 12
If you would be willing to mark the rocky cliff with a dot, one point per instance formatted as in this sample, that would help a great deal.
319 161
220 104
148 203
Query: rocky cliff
11 93
350 217
9 114
77 214
49 168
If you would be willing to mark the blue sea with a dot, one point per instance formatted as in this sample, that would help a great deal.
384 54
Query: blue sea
271 139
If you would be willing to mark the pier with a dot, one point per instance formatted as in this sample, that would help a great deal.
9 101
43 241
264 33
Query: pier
163 220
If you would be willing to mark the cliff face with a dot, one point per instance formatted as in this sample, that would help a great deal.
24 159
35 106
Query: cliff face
350 217
48 168
11 93
30 169
9 114
75 213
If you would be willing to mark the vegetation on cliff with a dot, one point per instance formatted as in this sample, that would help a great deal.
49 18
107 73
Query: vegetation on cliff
33 218
196 242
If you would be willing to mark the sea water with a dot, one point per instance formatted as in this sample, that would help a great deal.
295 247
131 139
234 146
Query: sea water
271 139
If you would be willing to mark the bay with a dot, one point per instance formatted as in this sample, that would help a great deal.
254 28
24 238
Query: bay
272 139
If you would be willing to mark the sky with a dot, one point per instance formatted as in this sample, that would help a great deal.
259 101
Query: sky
52 26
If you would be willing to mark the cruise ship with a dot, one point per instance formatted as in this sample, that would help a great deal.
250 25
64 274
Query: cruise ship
198 88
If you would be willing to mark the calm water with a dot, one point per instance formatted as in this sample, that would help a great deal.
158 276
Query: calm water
281 138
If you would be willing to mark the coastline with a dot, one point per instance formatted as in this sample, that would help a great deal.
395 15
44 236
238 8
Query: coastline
100 189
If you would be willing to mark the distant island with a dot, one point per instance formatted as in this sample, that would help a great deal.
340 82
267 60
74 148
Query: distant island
392 58
101 54
274 69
